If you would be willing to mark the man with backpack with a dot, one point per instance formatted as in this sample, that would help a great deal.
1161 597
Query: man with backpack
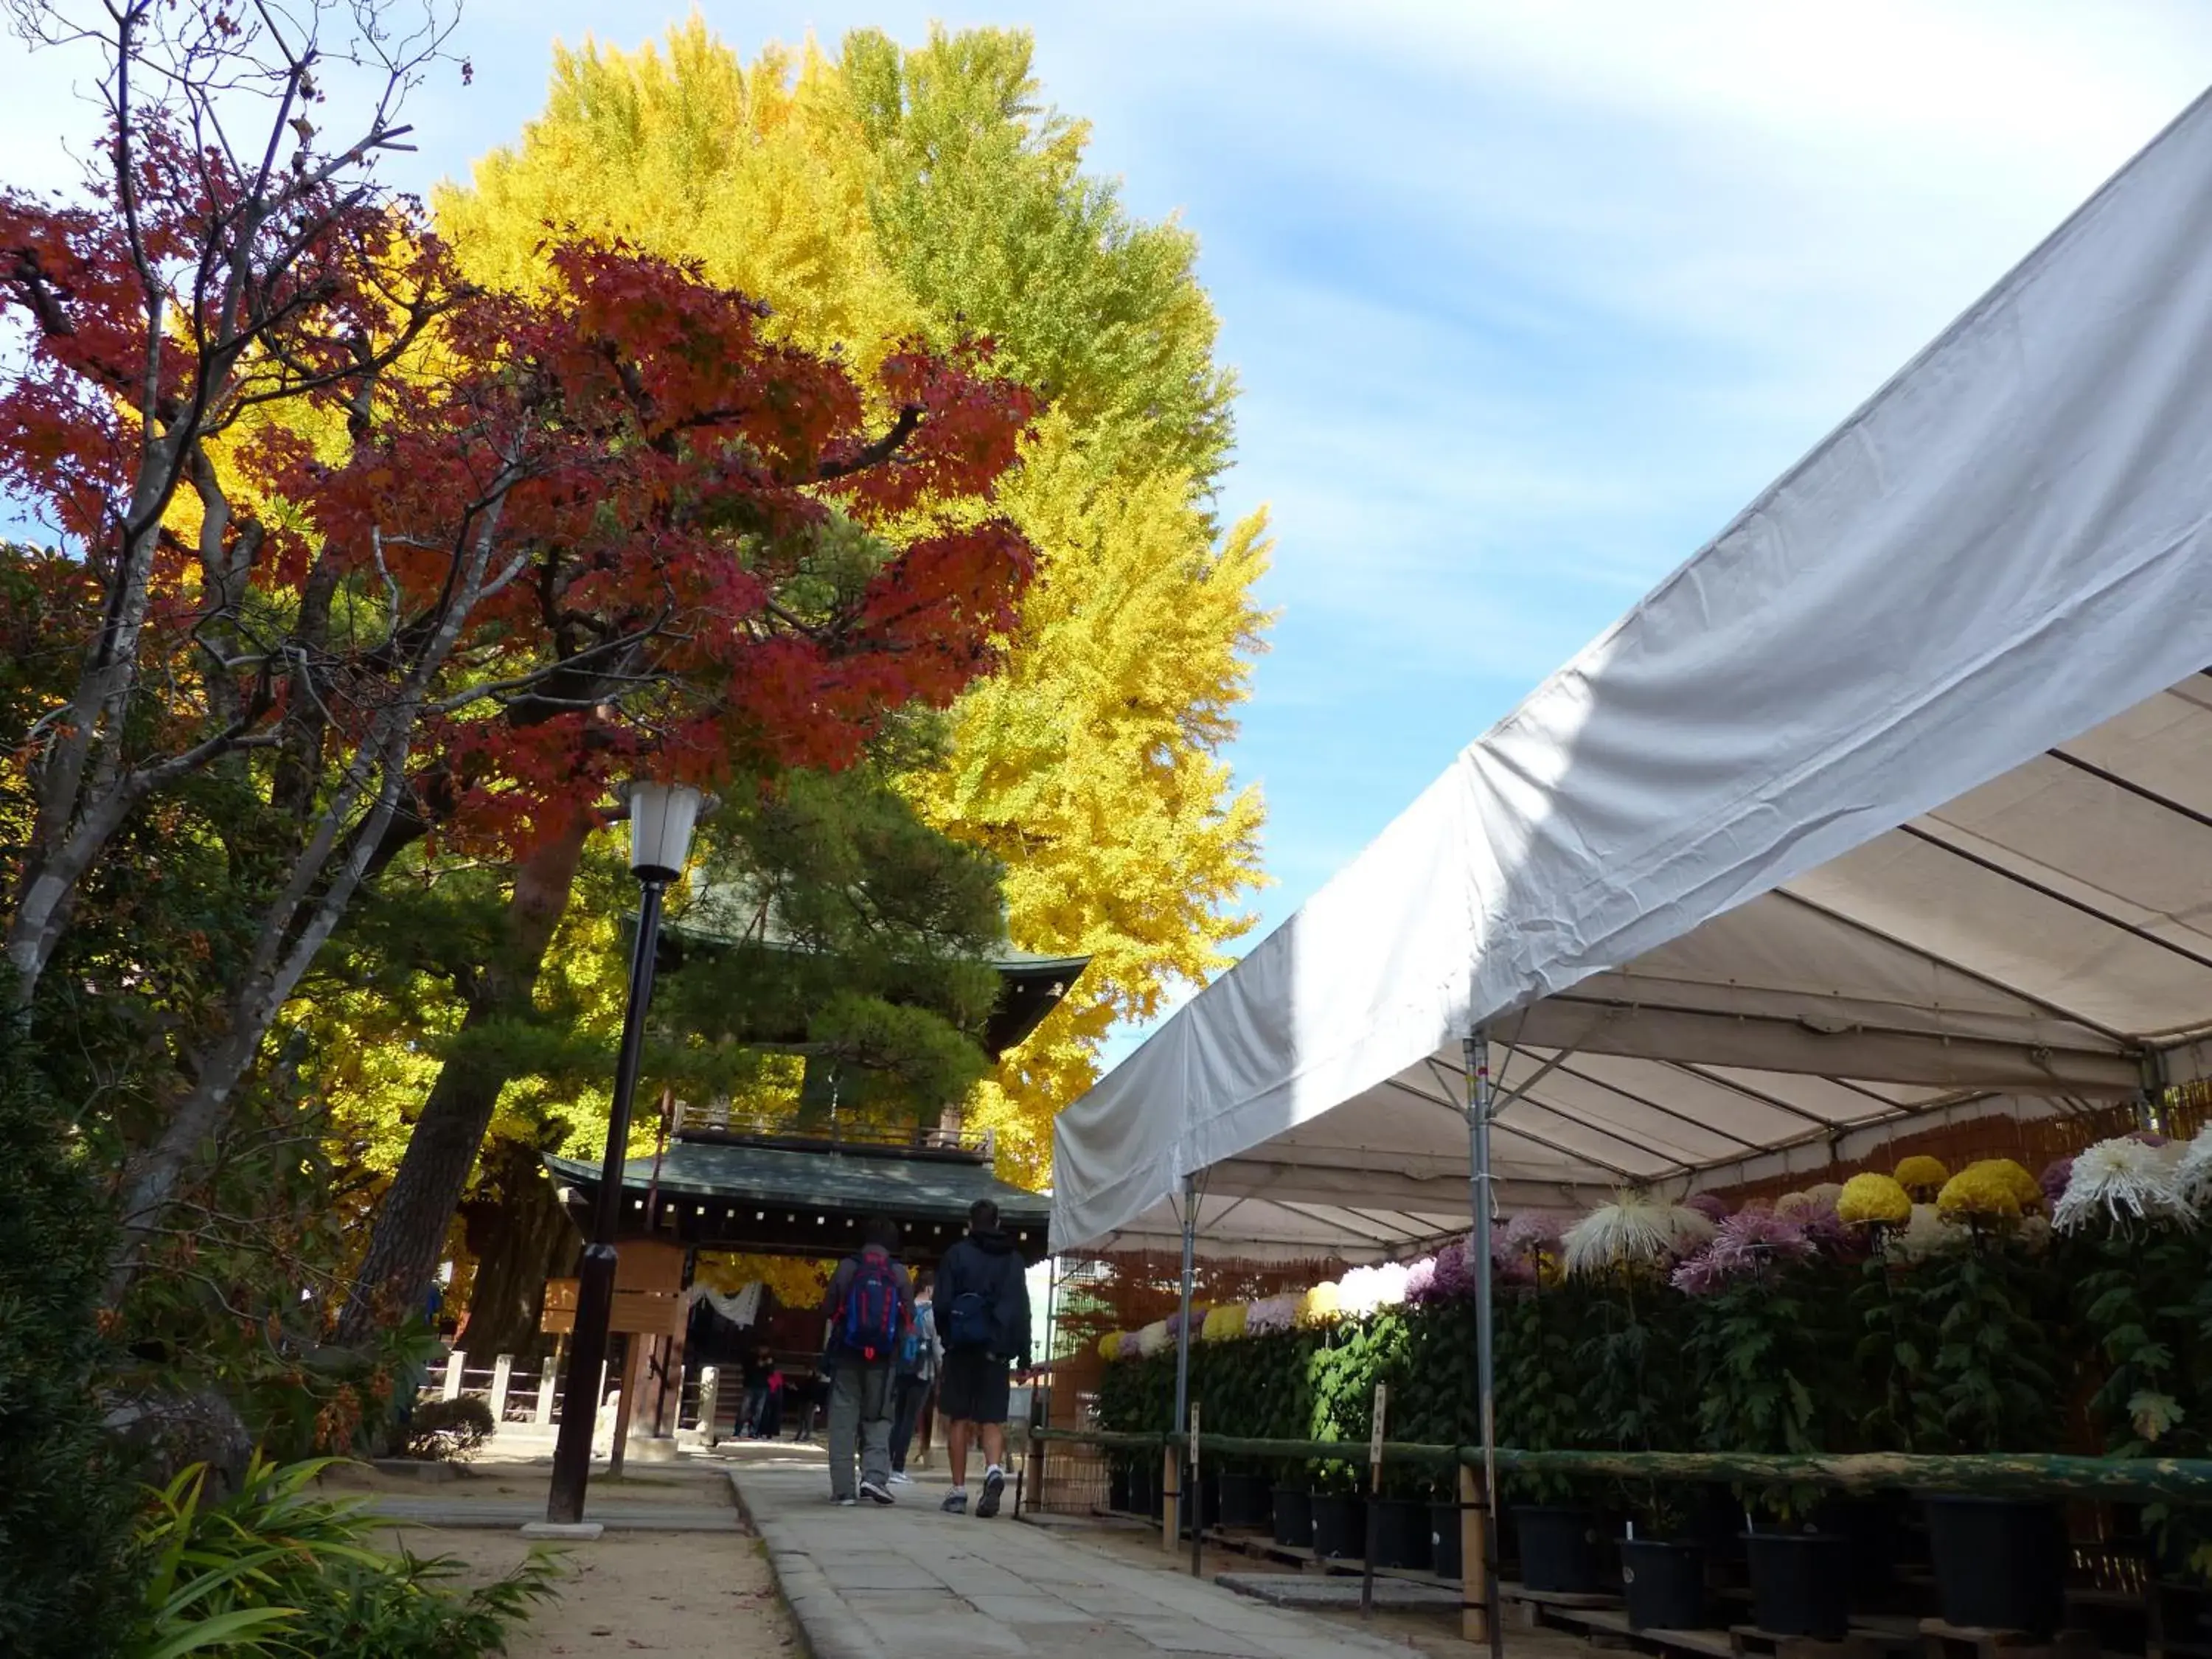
870 1309
919 1357
983 1318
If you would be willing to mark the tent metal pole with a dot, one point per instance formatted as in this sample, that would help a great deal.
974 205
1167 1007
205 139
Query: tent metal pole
1479 1114
1183 1348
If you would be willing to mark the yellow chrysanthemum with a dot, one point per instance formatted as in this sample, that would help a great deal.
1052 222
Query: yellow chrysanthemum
2026 1191
1875 1198
1979 1189
1922 1175
1109 1346
1223 1324
1321 1305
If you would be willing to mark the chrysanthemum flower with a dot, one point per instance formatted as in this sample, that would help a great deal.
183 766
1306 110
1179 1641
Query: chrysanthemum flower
1873 1198
2026 1191
1321 1305
1922 1175
1271 1314
2192 1171
2055 1174
1223 1324
1109 1346
1632 1231
2123 1182
1980 1192
1711 1206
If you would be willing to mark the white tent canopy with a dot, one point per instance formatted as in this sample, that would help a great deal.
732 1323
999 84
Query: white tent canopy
1895 801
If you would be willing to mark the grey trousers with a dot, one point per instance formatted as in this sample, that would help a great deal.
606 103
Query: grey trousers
860 1411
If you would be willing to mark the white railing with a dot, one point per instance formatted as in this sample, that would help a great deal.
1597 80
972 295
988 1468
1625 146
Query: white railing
534 1397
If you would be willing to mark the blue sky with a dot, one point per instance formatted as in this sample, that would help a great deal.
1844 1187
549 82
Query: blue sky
1527 298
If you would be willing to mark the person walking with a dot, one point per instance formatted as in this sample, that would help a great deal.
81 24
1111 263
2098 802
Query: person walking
982 1302
917 1376
869 1309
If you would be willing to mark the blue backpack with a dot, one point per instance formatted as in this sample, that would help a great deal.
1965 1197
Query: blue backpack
871 1318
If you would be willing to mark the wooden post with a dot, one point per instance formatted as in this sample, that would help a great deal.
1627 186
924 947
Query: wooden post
502 1372
1170 1497
454 1361
668 1404
545 1382
1474 1560
633 1379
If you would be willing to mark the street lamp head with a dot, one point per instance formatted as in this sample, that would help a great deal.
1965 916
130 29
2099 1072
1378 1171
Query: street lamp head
661 818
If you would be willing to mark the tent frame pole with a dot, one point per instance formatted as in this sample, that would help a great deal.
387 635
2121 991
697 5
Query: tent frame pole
1182 1357
1479 1114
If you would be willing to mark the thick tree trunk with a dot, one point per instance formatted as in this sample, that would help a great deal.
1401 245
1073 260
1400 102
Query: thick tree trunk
410 1225
521 1238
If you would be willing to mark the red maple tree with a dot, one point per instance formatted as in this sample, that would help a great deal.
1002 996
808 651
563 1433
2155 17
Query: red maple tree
542 541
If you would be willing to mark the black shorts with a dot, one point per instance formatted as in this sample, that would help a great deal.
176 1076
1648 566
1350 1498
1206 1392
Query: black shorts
975 1387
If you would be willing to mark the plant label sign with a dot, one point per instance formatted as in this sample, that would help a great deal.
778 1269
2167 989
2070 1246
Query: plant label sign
1193 1434
1375 1441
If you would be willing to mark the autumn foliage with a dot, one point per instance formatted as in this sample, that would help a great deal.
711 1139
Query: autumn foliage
406 554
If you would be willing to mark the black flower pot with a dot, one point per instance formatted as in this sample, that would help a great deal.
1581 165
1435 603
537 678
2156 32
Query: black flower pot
1443 1541
1801 1584
1246 1502
1117 1492
1664 1584
1559 1550
2000 1562
1401 1534
1293 1517
1339 1526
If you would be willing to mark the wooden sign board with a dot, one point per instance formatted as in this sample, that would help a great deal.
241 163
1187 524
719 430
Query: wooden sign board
648 1292
648 1313
647 1264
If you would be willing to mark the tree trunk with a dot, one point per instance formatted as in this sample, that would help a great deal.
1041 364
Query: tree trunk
521 1238
410 1223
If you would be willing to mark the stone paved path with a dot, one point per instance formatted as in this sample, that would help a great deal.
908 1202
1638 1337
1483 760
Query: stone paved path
869 1583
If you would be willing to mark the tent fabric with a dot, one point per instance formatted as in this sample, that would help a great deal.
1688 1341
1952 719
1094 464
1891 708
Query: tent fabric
1895 799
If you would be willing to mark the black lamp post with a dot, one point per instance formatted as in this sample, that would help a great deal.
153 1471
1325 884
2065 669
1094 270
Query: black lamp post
661 816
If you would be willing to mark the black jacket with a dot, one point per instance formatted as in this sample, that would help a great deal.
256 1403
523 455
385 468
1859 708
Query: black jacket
988 1265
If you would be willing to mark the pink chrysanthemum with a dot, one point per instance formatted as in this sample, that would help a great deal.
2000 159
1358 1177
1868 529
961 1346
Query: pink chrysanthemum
2055 1174
1711 1206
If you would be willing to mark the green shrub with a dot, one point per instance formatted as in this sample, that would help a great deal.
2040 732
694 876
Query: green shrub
275 1571
449 1431
66 1575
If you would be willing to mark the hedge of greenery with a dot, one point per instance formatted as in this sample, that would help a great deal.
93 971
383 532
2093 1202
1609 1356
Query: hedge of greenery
1843 1321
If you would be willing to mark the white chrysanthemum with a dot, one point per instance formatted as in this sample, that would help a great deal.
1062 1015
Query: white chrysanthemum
1364 1289
2192 1174
1925 1235
1824 1196
1152 1339
2034 1234
2123 1181
1632 1231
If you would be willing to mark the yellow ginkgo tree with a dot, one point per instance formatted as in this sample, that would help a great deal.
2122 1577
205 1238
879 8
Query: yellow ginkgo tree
884 193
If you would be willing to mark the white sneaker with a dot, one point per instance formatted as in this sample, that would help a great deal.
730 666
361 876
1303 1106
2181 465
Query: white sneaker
899 1479
876 1494
847 1503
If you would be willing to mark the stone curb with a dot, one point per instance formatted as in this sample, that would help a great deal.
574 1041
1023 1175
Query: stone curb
827 1628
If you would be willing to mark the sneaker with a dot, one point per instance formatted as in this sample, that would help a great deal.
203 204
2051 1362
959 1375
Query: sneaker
876 1494
955 1503
995 1483
848 1503
900 1478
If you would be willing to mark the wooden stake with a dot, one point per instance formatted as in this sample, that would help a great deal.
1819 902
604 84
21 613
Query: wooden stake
1474 1559
633 1379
